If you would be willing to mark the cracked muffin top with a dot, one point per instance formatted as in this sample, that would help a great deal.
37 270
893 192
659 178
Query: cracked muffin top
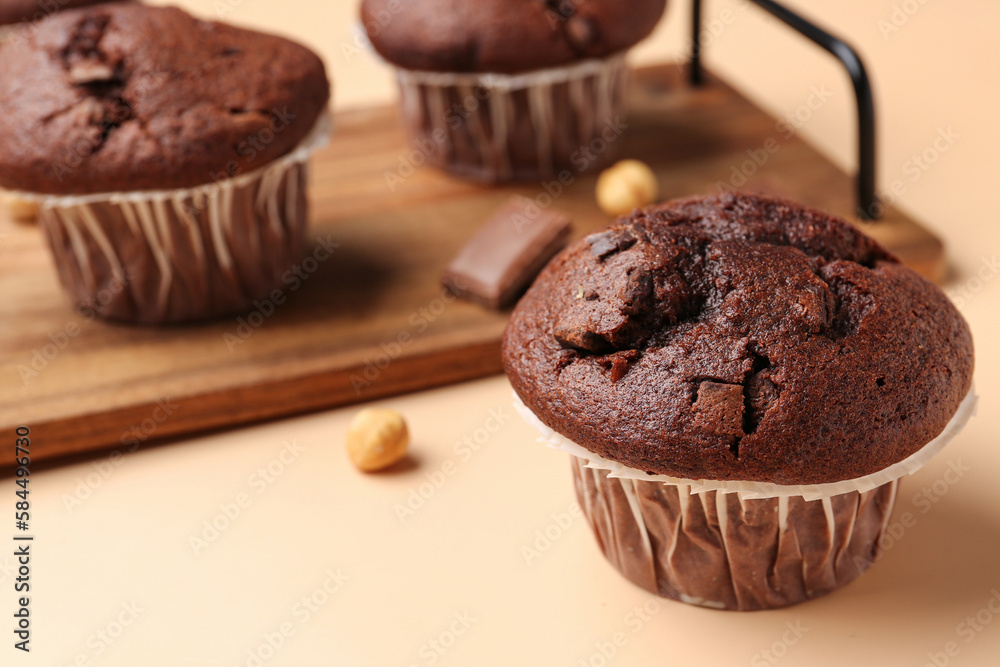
503 36
735 337
15 11
123 96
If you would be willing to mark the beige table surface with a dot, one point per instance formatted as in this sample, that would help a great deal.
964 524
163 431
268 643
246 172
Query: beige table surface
493 566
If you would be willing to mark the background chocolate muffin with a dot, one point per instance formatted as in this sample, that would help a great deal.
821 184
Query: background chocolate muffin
511 90
740 382
167 155
123 96
504 36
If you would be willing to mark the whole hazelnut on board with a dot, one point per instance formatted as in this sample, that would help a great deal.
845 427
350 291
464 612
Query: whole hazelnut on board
377 438
626 186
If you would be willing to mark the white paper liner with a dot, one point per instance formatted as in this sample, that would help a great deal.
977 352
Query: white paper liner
184 240
758 490
540 77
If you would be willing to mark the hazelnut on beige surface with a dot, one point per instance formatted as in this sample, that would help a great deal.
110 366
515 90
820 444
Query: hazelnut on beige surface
625 186
377 438
20 209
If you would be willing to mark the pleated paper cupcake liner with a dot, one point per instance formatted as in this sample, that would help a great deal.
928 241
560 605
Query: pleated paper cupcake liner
184 254
502 127
737 545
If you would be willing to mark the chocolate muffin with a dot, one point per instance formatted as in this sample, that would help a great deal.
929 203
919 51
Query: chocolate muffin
746 345
504 90
168 154
18 11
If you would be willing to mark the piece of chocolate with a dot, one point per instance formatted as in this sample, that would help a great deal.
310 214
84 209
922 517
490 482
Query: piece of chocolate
506 254
719 408
608 243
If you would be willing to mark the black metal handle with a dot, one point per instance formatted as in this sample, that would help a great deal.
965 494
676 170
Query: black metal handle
868 206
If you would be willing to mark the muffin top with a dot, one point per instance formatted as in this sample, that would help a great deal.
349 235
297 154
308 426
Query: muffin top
503 36
735 337
15 11
124 96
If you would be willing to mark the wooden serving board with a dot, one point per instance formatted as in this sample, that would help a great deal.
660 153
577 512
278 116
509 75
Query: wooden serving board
372 320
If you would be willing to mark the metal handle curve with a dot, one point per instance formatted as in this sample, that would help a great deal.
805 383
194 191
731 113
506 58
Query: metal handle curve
867 198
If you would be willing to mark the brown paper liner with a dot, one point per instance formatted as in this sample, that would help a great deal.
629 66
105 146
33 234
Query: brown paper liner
497 128
181 255
721 551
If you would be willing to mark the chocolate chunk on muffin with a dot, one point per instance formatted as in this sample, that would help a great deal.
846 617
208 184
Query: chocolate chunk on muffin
766 337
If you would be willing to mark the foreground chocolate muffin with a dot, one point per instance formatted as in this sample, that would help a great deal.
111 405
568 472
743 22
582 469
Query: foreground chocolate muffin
501 90
754 375
168 155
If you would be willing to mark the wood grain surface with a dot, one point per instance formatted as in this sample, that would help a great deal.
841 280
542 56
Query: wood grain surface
372 320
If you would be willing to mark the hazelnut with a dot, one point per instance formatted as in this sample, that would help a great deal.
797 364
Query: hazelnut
20 209
626 186
377 438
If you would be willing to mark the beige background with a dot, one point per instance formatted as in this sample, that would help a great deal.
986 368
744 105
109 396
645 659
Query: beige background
117 531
